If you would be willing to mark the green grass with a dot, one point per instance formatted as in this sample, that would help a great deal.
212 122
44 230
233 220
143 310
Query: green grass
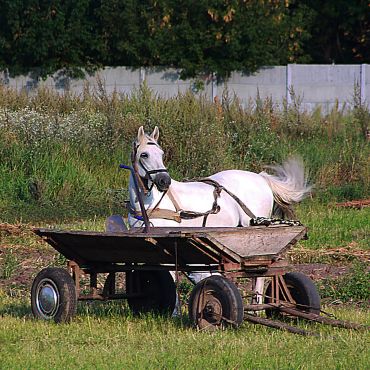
59 168
106 336
334 227
60 155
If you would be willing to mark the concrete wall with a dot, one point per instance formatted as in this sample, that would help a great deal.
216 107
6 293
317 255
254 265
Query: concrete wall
314 85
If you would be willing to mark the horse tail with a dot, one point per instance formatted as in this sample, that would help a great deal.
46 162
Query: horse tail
289 185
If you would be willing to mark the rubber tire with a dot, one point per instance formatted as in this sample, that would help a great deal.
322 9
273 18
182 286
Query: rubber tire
158 289
218 295
303 291
64 286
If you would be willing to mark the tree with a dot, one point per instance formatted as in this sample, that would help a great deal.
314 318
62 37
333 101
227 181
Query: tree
202 36
340 31
195 36
48 36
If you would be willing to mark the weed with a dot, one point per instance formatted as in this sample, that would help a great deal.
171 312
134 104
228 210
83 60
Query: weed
350 287
9 264
184 289
60 260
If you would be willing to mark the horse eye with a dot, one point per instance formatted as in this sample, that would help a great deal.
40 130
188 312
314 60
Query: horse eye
144 155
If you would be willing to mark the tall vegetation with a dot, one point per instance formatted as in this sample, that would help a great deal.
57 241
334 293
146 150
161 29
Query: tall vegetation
63 152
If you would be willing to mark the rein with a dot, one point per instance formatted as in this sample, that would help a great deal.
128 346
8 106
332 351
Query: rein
219 188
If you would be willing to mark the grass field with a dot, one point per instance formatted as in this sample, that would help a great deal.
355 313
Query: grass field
105 336
59 159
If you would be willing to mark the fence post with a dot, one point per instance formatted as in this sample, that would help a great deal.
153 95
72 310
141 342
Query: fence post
363 83
142 75
214 86
289 83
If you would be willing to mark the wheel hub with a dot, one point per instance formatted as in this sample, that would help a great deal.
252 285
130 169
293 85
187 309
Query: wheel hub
47 299
212 311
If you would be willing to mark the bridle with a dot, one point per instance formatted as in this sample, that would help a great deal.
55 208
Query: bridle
143 181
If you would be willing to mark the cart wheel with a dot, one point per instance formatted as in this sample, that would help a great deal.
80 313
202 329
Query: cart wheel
215 302
303 291
53 295
156 292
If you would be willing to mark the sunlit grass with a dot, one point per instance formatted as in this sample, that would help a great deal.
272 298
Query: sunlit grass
59 168
335 227
109 337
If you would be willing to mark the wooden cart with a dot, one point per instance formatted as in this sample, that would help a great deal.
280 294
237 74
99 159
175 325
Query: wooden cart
146 259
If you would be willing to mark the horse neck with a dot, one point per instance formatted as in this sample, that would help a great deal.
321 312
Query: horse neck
149 199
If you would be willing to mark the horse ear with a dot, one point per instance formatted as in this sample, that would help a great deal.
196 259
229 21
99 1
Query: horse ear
155 133
140 134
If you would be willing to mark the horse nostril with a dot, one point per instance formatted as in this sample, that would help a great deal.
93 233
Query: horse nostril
163 181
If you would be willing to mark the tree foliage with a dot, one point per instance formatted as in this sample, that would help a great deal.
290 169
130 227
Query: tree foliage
340 31
196 36
201 36
47 36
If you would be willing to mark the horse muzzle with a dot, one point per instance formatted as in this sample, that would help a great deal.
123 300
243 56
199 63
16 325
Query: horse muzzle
162 181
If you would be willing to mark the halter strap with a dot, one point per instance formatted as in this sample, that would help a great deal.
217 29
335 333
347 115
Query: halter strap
143 181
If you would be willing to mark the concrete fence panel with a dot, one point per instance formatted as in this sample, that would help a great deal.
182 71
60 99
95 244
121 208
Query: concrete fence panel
324 86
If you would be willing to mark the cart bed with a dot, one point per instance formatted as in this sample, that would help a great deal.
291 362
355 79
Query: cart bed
181 246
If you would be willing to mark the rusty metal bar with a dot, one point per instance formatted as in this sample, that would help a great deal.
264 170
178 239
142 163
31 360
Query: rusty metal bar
207 250
275 282
100 297
129 267
261 307
76 275
278 325
285 290
258 307
323 319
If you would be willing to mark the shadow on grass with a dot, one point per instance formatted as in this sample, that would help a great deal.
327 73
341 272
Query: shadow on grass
98 310
17 310
120 309
38 213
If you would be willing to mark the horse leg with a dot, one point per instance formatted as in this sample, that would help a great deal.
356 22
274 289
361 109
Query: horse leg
260 283
177 310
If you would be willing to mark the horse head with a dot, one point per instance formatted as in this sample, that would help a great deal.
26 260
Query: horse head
147 159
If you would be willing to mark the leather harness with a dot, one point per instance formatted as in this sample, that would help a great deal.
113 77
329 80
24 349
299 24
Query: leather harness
179 214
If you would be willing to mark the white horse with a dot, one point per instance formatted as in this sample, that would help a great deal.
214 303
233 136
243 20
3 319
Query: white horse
215 203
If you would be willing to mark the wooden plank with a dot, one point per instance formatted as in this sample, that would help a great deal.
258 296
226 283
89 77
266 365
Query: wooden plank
195 245
256 243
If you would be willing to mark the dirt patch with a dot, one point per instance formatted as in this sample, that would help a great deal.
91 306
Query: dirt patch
27 262
22 256
19 265
320 271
